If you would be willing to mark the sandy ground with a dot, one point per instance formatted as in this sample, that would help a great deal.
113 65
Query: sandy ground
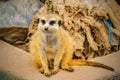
21 64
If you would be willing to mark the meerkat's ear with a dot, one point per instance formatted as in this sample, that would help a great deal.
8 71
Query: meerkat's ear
60 22
37 20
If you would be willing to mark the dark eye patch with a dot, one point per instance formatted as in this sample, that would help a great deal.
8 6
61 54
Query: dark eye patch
59 22
52 22
43 21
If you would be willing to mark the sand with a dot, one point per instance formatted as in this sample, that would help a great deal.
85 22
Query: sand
21 64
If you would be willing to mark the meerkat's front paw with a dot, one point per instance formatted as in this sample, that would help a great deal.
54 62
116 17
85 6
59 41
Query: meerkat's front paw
41 70
47 74
54 71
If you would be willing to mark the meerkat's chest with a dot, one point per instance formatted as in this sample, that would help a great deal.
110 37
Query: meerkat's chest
50 44
50 40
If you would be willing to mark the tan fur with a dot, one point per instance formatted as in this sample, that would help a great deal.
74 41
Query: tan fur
54 46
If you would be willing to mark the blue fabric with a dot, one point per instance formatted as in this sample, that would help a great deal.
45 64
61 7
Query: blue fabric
109 26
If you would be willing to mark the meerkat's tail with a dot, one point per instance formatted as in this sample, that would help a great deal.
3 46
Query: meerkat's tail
89 63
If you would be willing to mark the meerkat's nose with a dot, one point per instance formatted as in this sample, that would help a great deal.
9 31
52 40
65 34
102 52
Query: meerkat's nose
46 28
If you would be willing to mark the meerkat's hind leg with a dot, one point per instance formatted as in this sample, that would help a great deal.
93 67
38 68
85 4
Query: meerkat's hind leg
40 67
40 61
66 59
65 65
38 64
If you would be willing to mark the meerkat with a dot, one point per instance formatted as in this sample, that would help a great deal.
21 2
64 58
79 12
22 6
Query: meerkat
52 45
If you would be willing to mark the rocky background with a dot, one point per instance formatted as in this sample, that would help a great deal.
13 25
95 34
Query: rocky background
17 12
93 24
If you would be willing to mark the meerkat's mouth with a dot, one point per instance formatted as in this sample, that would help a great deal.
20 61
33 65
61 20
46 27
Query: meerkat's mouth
47 30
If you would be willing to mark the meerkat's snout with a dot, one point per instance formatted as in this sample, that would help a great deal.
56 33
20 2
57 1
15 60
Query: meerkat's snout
46 29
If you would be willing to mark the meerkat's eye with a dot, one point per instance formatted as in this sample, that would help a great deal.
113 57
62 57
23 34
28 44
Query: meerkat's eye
59 22
52 22
43 21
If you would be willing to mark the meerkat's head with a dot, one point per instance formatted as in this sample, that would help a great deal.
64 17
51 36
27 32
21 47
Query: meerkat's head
49 22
